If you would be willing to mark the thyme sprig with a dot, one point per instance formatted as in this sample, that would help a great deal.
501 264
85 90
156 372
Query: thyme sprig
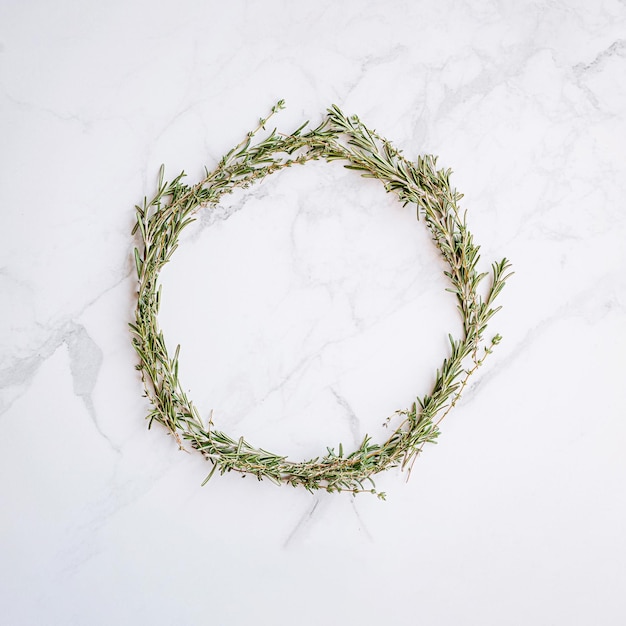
160 222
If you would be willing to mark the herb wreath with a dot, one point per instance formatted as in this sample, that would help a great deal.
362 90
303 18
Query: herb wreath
338 138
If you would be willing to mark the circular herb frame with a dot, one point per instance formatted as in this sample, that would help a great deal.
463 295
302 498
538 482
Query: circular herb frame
338 138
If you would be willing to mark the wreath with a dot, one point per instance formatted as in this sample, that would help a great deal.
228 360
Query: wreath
160 222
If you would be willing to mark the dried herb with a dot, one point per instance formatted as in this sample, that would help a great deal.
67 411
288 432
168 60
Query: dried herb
338 138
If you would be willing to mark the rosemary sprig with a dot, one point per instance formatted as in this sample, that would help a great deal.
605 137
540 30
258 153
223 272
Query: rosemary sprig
161 220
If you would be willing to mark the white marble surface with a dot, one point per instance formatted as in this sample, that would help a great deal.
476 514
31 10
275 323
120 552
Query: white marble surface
309 309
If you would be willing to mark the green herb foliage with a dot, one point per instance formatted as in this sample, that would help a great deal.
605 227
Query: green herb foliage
338 138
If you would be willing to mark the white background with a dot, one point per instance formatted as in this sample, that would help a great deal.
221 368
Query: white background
310 308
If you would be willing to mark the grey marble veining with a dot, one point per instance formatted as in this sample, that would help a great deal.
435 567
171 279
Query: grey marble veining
309 308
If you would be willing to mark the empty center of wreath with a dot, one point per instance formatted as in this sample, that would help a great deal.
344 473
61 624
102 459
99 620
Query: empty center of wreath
315 308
